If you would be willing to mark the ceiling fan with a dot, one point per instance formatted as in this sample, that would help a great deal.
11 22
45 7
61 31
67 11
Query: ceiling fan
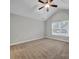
47 4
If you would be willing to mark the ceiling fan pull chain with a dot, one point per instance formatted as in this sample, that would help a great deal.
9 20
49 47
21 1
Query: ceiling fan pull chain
47 9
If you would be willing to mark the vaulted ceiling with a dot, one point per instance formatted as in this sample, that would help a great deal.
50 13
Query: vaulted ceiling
29 8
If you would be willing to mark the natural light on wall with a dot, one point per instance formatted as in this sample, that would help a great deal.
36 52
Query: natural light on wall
60 28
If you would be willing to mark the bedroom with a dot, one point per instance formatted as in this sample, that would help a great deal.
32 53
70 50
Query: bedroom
39 32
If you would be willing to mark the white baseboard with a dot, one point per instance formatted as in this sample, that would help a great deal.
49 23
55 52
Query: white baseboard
24 41
65 40
37 39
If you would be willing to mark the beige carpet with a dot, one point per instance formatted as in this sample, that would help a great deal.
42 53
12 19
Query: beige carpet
41 49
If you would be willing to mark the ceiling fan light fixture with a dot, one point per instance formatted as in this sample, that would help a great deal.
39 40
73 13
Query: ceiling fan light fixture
47 6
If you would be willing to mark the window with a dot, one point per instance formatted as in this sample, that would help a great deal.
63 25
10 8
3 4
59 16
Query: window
60 28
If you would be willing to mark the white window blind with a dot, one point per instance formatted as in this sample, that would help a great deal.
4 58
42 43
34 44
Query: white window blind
60 28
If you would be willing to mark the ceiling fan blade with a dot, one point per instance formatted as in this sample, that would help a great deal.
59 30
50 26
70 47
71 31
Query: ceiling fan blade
41 1
50 0
41 7
54 5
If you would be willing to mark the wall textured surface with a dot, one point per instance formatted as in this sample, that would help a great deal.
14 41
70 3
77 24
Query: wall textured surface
25 29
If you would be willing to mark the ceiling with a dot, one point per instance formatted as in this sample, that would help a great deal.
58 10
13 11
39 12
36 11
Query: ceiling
29 8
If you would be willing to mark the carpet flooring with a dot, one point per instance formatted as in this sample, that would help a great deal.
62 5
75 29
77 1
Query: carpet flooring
40 49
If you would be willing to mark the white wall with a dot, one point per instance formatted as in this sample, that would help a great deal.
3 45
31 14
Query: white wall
58 16
25 29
